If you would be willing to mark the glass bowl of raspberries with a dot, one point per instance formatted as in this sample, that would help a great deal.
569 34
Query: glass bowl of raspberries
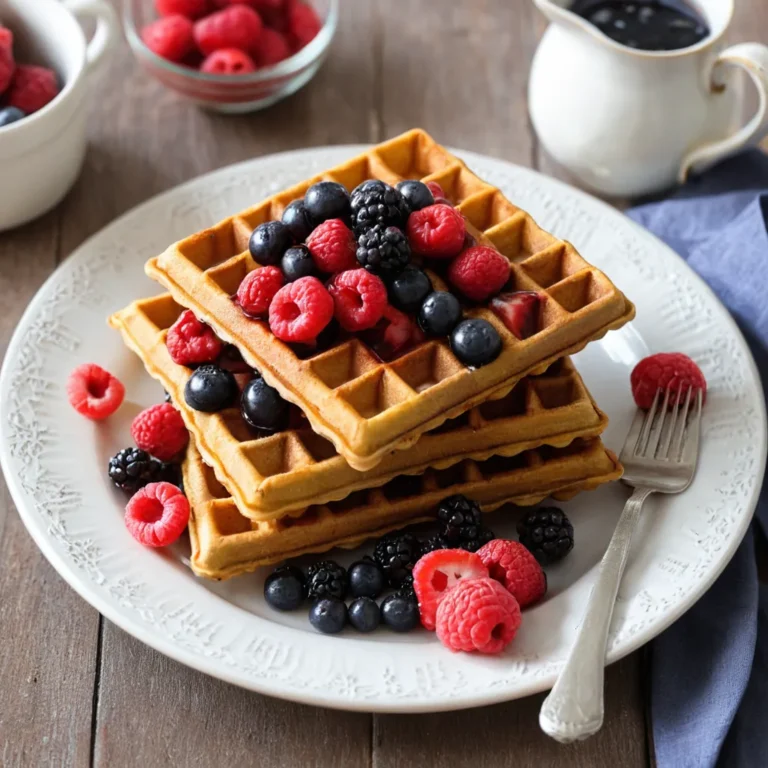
231 56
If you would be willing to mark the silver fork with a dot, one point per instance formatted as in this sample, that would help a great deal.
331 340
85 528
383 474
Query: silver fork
659 456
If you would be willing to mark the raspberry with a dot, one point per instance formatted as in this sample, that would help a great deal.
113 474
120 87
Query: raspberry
478 615
303 25
333 247
160 430
257 290
479 272
94 392
7 64
228 61
191 342
666 370
258 5
300 310
436 231
394 334
235 27
192 9
359 298
519 311
32 88
157 514
435 189
171 37
512 565
273 48
437 573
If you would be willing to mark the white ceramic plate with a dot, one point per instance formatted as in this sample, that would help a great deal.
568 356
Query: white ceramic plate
55 462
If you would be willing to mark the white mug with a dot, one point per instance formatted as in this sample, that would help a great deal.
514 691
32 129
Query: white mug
630 122
41 155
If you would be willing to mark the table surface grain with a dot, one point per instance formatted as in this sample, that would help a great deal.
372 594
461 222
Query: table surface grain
76 690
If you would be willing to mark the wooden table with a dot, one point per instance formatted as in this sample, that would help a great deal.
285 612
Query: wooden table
78 691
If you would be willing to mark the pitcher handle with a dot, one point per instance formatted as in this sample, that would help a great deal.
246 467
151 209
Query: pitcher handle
753 58
106 26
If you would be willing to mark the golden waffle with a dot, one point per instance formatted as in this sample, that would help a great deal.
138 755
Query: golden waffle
364 406
271 476
225 543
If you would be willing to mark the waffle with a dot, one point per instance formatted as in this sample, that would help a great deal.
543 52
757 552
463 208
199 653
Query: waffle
269 476
225 543
367 407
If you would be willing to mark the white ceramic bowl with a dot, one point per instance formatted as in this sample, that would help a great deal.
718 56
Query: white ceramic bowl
42 154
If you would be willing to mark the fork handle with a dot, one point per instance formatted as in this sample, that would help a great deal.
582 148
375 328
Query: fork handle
574 708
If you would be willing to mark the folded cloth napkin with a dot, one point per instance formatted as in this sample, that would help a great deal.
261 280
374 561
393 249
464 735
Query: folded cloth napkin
709 670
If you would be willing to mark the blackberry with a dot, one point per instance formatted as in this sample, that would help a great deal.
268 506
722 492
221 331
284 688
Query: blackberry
132 468
397 554
383 250
547 533
374 202
406 588
326 579
462 523
433 543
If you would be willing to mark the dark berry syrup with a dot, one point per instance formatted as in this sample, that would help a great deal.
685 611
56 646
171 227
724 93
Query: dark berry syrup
649 25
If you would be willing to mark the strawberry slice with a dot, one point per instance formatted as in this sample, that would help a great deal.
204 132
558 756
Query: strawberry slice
519 311
437 573
394 334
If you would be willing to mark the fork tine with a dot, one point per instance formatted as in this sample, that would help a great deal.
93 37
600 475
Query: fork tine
655 435
642 441
691 447
664 453
678 444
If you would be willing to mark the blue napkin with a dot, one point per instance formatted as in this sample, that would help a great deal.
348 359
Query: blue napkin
709 670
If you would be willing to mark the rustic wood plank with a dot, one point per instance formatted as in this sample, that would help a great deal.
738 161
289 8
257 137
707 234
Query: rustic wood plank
49 635
184 718
458 70
509 735
155 712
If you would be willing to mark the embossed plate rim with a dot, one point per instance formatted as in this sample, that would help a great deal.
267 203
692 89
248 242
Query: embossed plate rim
199 629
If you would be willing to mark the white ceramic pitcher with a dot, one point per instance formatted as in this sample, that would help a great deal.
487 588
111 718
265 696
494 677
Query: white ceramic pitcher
628 122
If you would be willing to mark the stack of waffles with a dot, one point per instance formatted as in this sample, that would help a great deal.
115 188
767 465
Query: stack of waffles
373 446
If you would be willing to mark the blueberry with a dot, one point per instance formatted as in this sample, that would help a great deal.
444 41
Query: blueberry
409 289
439 313
10 115
297 262
262 407
296 218
269 241
328 615
416 194
366 579
210 389
285 589
475 342
399 613
364 614
327 200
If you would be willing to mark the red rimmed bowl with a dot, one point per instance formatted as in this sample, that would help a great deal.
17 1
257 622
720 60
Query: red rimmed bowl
233 94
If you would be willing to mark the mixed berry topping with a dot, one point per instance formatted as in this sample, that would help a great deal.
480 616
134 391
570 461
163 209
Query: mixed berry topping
417 582
395 234
519 311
